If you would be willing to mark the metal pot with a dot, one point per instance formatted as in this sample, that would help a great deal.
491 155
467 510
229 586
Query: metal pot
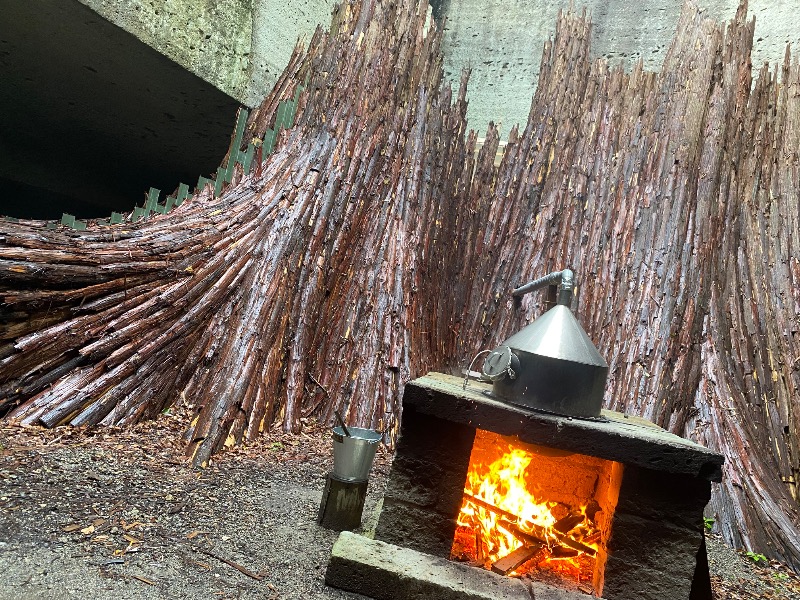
551 364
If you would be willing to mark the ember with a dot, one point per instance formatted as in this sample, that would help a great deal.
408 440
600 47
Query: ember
531 510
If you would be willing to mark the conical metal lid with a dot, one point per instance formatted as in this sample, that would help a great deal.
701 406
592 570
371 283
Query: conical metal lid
557 334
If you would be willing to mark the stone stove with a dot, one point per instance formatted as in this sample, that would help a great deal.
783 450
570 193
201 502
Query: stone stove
658 482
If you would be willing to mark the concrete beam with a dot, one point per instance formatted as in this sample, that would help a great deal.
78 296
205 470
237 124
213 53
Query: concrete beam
387 572
239 46
91 117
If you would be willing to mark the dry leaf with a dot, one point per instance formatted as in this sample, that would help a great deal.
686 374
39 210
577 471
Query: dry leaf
88 530
98 522
193 534
71 528
143 579
131 539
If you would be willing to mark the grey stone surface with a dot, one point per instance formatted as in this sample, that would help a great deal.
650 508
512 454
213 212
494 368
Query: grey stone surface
654 544
415 527
543 591
388 572
626 581
630 441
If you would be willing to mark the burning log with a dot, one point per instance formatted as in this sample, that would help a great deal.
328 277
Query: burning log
517 558
540 533
522 536
480 553
568 523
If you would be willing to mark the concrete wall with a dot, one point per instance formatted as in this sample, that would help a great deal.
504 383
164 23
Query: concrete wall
502 41
241 45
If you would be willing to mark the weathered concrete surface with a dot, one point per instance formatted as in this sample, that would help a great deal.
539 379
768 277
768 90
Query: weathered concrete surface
212 39
387 572
239 46
276 28
502 41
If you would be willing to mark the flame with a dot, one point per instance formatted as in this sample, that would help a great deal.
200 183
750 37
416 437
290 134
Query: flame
486 535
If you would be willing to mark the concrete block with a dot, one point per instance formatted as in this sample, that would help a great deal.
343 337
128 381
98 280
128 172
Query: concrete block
654 544
433 437
415 527
671 498
626 581
415 481
387 572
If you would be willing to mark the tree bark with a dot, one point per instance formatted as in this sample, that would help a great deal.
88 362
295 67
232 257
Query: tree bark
376 243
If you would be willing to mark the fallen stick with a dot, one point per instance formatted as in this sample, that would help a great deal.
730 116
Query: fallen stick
230 563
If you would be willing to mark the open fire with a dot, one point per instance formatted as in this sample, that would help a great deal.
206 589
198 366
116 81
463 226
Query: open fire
537 512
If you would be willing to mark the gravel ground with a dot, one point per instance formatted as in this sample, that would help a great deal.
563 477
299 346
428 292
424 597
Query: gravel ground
120 514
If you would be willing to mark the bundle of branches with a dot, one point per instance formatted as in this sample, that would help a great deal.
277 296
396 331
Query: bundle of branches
376 243
289 295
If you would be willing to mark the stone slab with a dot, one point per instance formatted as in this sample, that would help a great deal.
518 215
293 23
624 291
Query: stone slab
629 440
387 572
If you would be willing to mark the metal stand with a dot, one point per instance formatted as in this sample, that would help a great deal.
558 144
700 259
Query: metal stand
342 504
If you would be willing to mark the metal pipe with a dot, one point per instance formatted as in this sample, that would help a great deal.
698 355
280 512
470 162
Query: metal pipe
566 278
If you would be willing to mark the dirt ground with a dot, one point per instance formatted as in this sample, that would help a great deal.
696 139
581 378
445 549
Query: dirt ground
121 514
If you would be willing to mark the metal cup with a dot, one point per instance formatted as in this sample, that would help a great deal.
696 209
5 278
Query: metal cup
353 456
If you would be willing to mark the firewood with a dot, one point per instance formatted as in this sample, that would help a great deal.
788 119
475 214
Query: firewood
562 552
514 560
539 533
480 555
568 523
